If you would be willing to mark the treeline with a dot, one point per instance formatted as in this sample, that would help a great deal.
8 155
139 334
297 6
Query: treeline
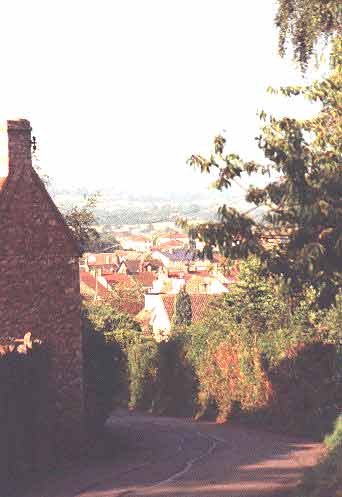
155 214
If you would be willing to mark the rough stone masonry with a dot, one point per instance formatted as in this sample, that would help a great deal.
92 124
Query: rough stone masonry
39 281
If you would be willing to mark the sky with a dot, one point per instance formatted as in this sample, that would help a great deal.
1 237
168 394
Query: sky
121 93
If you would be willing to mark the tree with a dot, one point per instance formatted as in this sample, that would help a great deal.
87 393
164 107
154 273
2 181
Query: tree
254 299
106 242
81 221
105 319
305 22
303 200
182 314
127 297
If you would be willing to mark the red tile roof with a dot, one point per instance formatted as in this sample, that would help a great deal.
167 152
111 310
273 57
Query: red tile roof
88 280
147 278
199 304
136 238
200 273
173 236
129 254
101 259
132 265
178 235
170 244
114 278
123 306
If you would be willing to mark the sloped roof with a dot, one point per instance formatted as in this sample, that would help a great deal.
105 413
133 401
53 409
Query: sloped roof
171 244
129 254
154 263
177 236
130 307
114 278
147 278
88 280
173 236
100 258
132 265
136 238
183 255
199 305
8 186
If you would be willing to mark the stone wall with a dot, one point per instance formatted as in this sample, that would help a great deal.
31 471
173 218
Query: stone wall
39 285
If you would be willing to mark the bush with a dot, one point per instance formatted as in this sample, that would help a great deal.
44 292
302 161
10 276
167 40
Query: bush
142 367
101 376
27 420
176 385
257 358
259 355
105 360
325 479
105 319
160 377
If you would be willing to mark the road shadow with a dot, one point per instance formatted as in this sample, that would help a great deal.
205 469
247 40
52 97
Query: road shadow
244 462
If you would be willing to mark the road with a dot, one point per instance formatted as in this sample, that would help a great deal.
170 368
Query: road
170 457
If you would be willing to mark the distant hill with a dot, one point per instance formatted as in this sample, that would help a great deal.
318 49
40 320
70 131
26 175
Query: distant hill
123 207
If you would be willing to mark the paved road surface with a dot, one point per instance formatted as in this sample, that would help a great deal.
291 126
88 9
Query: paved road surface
168 457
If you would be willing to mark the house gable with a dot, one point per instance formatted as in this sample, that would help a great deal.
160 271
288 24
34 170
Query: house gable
30 223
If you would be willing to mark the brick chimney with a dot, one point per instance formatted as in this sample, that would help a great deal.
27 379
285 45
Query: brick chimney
15 147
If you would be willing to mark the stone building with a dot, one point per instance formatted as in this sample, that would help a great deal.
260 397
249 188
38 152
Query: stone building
39 280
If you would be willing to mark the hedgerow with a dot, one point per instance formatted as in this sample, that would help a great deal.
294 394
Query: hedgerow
259 354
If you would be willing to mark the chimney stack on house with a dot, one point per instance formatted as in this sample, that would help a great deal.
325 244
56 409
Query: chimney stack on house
15 147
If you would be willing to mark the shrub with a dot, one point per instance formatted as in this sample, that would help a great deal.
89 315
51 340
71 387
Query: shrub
176 385
142 367
256 357
325 479
105 360
27 415
101 376
106 319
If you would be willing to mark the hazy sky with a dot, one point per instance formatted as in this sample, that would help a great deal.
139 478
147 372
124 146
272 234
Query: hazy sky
122 92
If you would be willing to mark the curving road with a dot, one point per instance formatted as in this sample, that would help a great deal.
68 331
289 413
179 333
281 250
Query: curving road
169 457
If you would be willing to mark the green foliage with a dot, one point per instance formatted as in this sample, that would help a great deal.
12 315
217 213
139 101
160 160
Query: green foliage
255 298
124 337
325 479
127 297
331 325
105 242
142 367
81 221
303 205
105 319
182 315
177 385
305 22
106 337
303 199
259 353
160 377
101 375
262 353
